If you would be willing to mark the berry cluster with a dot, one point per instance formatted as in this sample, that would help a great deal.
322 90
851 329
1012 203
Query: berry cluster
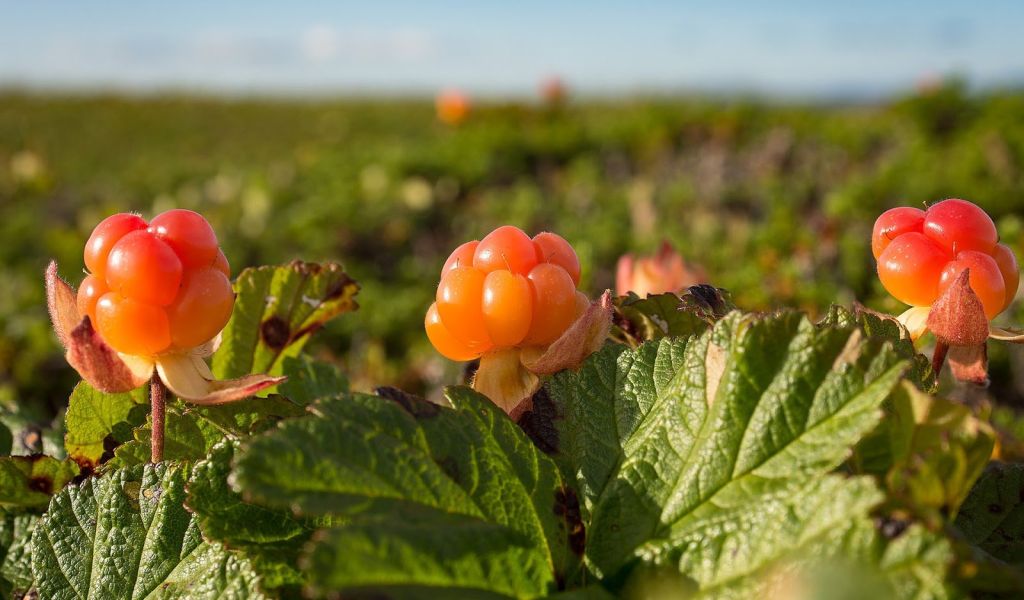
503 291
156 287
920 253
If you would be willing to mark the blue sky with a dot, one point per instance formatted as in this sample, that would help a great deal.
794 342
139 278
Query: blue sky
799 48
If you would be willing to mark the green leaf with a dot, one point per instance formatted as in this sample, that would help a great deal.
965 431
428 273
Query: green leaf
97 422
712 453
273 535
190 432
928 452
276 310
654 317
310 380
883 327
15 554
29 481
992 517
419 482
127 535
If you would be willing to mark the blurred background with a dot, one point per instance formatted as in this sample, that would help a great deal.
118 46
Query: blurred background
760 140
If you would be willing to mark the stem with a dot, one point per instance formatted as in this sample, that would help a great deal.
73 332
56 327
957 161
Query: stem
939 357
157 397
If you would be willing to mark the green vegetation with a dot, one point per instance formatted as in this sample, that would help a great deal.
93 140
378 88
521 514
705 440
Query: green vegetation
775 202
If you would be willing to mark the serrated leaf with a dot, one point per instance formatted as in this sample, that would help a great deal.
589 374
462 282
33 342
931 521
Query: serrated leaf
310 380
15 554
97 422
276 310
643 319
465 481
884 327
127 535
928 452
272 537
433 549
29 481
992 516
705 452
190 431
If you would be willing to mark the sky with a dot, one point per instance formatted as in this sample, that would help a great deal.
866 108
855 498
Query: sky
787 48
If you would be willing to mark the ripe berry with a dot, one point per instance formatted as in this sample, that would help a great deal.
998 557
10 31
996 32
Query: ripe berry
188 233
131 326
220 262
893 223
202 307
958 225
920 254
88 294
505 291
506 248
105 235
156 287
1010 271
553 248
985 279
142 267
910 268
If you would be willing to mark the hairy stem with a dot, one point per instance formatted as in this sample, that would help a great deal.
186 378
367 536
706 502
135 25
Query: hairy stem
939 357
157 398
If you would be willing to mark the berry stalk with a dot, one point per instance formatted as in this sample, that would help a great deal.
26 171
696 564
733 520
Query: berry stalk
157 400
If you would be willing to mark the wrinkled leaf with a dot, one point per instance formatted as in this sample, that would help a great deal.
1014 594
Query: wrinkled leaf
274 535
29 481
688 451
641 319
15 554
886 328
190 432
419 482
127 535
276 310
310 379
97 422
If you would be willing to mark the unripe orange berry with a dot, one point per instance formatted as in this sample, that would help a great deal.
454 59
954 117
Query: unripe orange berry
507 307
442 339
460 304
554 304
461 257
553 248
506 248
